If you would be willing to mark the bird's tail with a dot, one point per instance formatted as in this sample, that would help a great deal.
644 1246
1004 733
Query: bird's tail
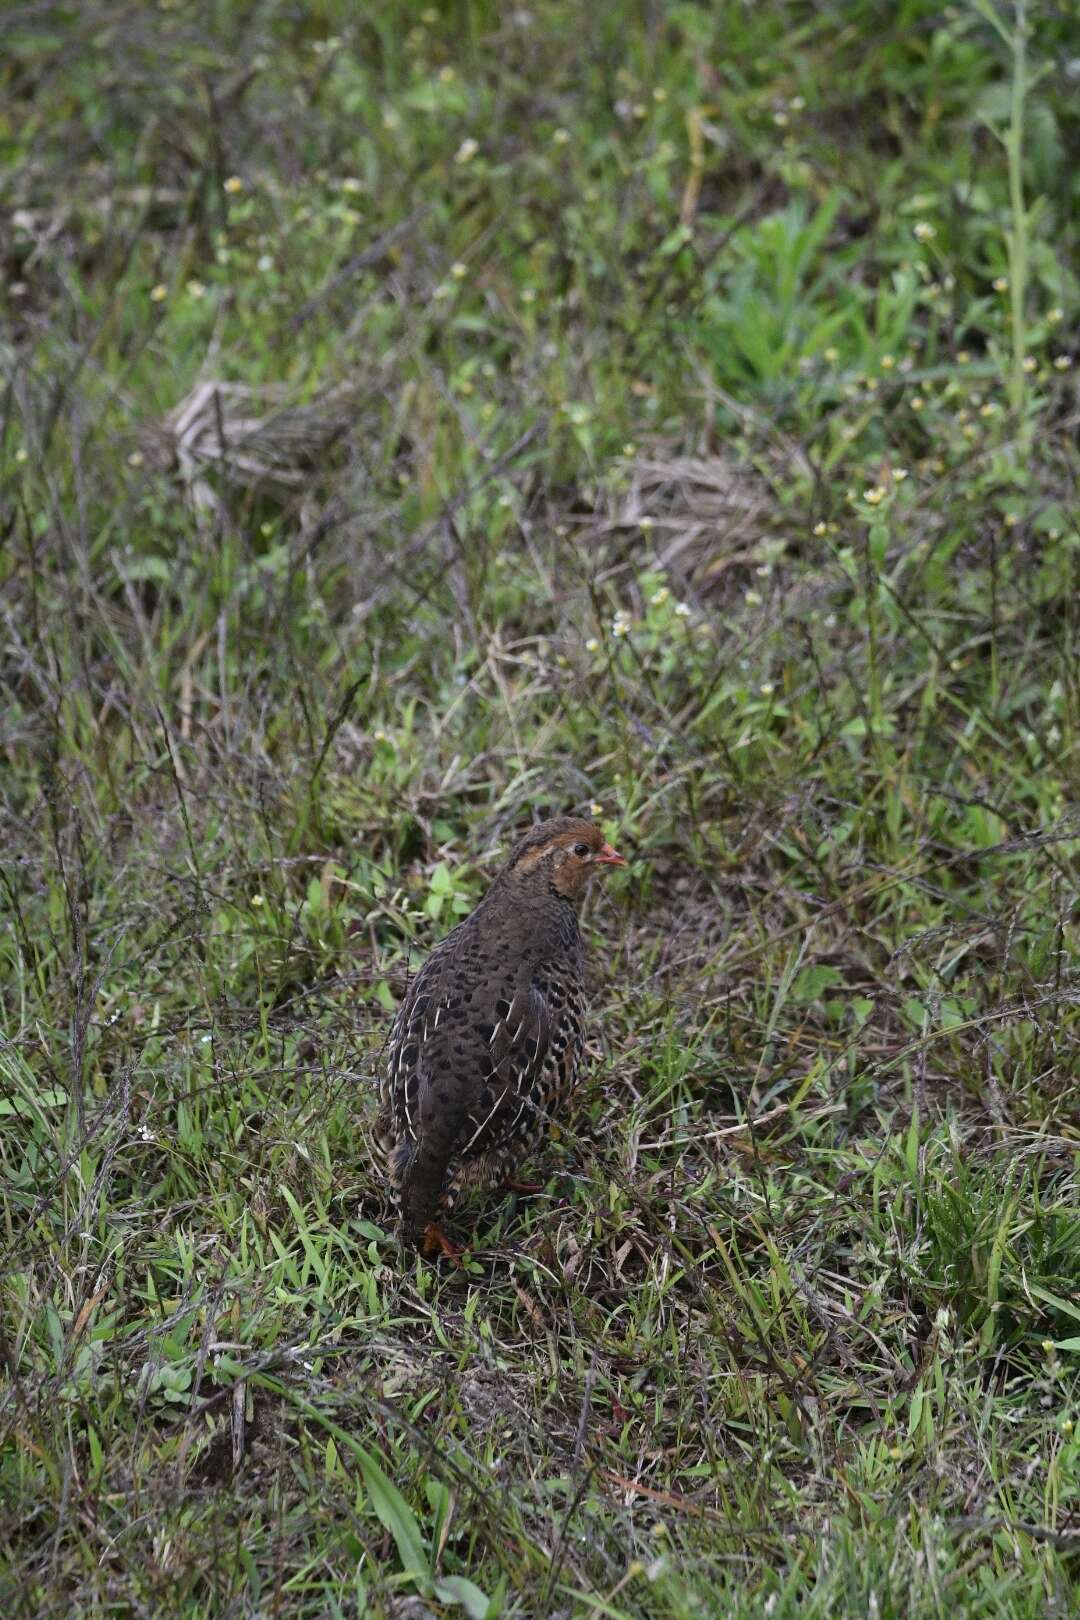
421 1176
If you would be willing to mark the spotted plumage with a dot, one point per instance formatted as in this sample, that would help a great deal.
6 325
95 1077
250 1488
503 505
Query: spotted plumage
486 1044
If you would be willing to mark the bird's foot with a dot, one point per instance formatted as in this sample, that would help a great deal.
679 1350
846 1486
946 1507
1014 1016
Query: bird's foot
435 1241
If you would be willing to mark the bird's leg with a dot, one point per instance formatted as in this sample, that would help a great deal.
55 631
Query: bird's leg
435 1241
512 1184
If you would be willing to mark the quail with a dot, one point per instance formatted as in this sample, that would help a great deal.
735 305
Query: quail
485 1046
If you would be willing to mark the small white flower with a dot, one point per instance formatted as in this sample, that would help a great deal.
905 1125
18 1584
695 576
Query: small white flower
264 263
767 689
592 645
682 610
924 231
596 809
467 151
658 598
561 137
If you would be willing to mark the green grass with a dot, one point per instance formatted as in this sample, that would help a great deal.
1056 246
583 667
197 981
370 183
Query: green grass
414 419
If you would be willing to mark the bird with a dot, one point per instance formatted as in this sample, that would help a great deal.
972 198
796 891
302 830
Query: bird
486 1045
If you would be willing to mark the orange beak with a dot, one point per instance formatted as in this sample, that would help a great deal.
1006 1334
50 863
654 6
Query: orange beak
608 857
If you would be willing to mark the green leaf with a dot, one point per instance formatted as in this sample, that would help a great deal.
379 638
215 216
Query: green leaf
441 881
1055 1300
50 1097
395 1515
158 569
458 1589
813 980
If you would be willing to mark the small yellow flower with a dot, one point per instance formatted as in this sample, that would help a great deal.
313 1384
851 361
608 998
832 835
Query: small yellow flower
447 75
1055 315
1048 1345
962 357
22 454
1001 284
467 151
379 736
887 362
989 409
159 293
257 900
135 459
917 402
658 598
458 270
899 474
832 355
592 645
560 137
1067 1426
629 449
1011 520
351 185
234 184
923 231
596 809
767 688
1062 362
895 1453
874 496
646 524
820 528
196 289
528 295
1031 364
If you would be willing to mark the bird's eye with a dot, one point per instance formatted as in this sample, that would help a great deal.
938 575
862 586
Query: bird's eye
581 849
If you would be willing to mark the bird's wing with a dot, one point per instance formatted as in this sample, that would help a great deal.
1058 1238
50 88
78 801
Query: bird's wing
461 1083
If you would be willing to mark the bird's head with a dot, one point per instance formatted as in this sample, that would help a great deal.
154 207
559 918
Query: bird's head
568 850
